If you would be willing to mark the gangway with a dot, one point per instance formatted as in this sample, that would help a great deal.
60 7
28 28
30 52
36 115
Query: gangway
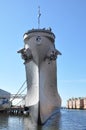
19 97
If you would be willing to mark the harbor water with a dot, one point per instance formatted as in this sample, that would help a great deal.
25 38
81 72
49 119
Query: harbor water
66 120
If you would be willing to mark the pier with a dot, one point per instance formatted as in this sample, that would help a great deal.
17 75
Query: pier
17 110
14 104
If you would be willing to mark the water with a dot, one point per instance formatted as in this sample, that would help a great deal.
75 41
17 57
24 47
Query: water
66 120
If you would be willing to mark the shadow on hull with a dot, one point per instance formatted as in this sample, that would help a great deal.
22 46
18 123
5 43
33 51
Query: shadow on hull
52 123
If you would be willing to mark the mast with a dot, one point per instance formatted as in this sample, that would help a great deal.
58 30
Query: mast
39 14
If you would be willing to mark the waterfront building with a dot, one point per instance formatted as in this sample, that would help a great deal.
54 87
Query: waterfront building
4 99
67 104
79 103
84 102
70 103
74 103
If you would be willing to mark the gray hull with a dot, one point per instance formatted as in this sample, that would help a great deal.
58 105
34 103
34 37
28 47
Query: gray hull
40 55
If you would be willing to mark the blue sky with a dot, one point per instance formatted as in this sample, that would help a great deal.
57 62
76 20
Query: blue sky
67 18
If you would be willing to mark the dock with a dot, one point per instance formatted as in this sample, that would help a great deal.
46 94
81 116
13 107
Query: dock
17 110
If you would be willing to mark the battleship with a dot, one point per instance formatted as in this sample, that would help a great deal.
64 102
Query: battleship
39 55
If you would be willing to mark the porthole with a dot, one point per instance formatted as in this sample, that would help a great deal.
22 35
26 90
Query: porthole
38 38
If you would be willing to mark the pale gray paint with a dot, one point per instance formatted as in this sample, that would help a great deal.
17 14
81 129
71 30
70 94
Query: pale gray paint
40 56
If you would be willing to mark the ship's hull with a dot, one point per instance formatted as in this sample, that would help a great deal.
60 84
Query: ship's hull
42 97
40 55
